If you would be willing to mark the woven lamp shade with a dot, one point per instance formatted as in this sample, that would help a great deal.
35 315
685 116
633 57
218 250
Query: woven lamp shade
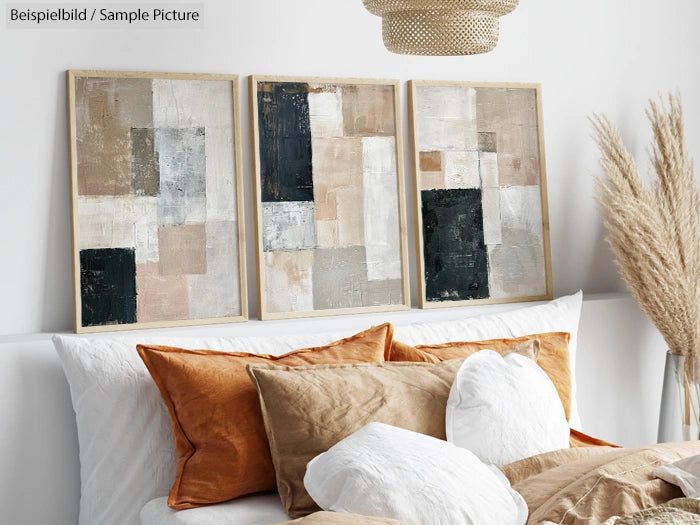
440 27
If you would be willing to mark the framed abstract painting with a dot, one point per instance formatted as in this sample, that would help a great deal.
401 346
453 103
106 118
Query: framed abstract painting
330 207
481 193
157 215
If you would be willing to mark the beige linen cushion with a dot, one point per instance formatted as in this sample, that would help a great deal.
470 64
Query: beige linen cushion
308 409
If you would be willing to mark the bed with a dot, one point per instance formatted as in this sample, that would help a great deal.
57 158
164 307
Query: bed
156 437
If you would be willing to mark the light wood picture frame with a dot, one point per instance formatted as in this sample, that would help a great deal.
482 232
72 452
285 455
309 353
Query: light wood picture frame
156 199
481 193
329 195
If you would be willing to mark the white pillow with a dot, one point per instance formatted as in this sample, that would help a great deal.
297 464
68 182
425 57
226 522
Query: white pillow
126 448
127 454
253 509
560 315
389 472
685 473
504 409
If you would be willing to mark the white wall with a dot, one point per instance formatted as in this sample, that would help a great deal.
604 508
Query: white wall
593 55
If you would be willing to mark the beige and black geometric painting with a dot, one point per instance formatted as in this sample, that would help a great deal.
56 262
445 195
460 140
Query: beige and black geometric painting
481 193
155 199
330 207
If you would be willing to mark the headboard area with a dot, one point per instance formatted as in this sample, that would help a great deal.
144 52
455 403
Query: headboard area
619 374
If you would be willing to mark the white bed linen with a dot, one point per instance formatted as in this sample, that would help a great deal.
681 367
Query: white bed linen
127 455
257 509
390 472
685 473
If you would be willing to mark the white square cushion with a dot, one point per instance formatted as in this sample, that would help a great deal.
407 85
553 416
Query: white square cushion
389 472
504 409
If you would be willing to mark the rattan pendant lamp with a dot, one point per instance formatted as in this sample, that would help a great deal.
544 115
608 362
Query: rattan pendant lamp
440 27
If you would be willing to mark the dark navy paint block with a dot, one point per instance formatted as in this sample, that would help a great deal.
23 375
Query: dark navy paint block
284 138
108 286
454 253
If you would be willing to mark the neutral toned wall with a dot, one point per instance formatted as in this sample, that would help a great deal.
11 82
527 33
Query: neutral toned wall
589 56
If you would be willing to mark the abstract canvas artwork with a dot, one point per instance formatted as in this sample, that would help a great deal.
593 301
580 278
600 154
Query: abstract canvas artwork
330 206
156 200
481 196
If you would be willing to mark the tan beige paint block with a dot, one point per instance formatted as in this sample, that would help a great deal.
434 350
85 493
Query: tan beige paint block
368 110
327 234
160 297
511 114
106 111
432 180
338 191
337 162
351 216
430 160
325 202
182 249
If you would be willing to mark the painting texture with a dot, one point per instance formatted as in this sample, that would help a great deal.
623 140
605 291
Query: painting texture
456 265
330 218
480 181
155 200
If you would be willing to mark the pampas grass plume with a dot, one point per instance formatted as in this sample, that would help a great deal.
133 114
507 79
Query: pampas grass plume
654 230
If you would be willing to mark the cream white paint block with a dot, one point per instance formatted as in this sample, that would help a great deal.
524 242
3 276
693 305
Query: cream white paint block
192 103
216 293
447 102
381 224
351 216
517 266
120 222
491 205
521 209
327 234
446 118
461 169
289 281
221 175
326 114
488 169
436 134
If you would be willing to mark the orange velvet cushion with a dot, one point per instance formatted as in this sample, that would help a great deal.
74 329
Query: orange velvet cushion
579 439
222 448
553 356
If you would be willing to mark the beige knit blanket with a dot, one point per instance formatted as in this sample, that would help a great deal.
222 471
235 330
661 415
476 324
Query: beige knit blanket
679 511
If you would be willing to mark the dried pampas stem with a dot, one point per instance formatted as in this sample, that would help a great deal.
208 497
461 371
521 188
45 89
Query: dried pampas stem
654 232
